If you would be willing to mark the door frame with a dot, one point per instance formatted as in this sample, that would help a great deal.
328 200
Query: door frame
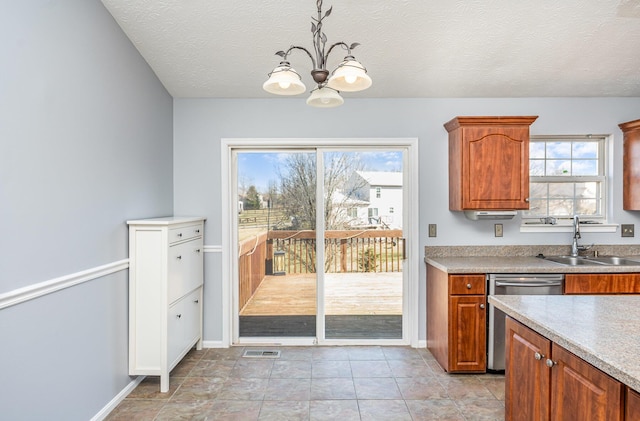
410 225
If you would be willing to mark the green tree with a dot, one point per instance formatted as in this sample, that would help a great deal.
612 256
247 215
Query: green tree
252 199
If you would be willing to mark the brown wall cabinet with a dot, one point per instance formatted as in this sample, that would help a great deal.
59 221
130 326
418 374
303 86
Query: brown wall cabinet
544 381
602 283
489 163
456 321
631 165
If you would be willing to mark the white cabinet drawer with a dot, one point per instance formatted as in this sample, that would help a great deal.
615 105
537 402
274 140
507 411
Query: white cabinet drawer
185 268
183 325
184 233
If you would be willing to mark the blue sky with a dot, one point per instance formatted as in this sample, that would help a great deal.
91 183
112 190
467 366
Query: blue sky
258 168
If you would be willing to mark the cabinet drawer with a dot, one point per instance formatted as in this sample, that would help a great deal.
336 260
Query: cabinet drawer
185 233
467 284
185 268
183 325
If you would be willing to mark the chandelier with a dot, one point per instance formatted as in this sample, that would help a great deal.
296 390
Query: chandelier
349 76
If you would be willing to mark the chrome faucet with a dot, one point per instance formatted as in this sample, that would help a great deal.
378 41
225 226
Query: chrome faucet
575 248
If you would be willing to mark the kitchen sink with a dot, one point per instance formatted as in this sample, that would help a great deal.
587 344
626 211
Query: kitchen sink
615 260
593 261
574 261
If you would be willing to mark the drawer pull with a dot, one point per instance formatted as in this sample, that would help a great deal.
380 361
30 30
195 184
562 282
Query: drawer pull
179 257
179 234
179 316
468 286
197 231
196 301
197 250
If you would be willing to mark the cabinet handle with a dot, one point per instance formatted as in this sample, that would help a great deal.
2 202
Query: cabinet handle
179 257
179 234
179 316
538 356
197 231
526 200
468 286
196 301
481 305
197 250
550 363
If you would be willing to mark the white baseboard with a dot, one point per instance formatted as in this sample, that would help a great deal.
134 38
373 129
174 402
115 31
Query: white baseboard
104 412
422 343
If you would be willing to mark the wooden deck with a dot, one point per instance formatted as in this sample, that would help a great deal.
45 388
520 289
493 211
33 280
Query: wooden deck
346 294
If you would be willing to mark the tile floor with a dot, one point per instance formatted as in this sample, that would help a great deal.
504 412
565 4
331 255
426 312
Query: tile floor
315 383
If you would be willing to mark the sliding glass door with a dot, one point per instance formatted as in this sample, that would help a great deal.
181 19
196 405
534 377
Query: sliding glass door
320 244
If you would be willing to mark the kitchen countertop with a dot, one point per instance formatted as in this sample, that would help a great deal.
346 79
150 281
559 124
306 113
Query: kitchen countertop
519 264
602 330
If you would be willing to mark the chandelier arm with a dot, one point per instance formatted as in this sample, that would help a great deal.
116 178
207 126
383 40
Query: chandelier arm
344 44
295 47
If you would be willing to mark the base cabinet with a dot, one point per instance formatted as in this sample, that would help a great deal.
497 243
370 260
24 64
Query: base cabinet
544 381
457 321
165 293
602 283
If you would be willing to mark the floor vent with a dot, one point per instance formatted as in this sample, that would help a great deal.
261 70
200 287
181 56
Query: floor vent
261 353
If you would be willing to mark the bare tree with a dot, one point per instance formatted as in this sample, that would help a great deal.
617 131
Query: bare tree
298 192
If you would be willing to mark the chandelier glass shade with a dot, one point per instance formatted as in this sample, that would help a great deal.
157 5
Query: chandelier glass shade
349 76
324 97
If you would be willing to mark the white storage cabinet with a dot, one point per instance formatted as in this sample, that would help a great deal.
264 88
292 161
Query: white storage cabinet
165 293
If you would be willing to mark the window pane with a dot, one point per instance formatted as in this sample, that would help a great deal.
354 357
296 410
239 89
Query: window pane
587 190
561 190
536 167
585 150
538 190
559 150
558 167
536 150
585 167
587 207
537 208
561 208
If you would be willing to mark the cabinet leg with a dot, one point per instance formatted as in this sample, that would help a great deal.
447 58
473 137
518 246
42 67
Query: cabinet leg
164 383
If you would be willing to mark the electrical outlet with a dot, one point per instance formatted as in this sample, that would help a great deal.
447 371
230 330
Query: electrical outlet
497 230
433 230
627 230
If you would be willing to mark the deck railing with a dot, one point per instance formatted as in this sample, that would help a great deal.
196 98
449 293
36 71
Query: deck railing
345 251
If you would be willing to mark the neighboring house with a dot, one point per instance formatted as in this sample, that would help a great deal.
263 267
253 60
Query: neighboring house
382 191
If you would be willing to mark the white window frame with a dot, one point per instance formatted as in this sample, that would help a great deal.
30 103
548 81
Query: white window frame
534 224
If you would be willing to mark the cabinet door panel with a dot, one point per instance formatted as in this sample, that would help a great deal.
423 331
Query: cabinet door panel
527 378
581 391
602 283
497 163
467 318
632 408
185 268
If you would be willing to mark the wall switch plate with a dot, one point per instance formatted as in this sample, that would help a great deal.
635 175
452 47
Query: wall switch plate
497 230
433 230
627 230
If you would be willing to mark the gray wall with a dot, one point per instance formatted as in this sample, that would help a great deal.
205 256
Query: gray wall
86 136
199 124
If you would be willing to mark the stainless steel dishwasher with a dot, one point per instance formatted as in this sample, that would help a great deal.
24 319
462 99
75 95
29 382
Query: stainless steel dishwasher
513 284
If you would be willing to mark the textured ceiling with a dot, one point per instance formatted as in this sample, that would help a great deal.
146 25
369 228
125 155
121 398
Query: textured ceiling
419 48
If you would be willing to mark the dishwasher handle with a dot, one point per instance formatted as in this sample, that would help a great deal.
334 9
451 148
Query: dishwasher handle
529 284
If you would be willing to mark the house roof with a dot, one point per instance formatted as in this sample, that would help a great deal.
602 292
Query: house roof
382 178
411 48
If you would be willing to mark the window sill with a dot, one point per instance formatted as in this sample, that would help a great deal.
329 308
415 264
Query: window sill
548 228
